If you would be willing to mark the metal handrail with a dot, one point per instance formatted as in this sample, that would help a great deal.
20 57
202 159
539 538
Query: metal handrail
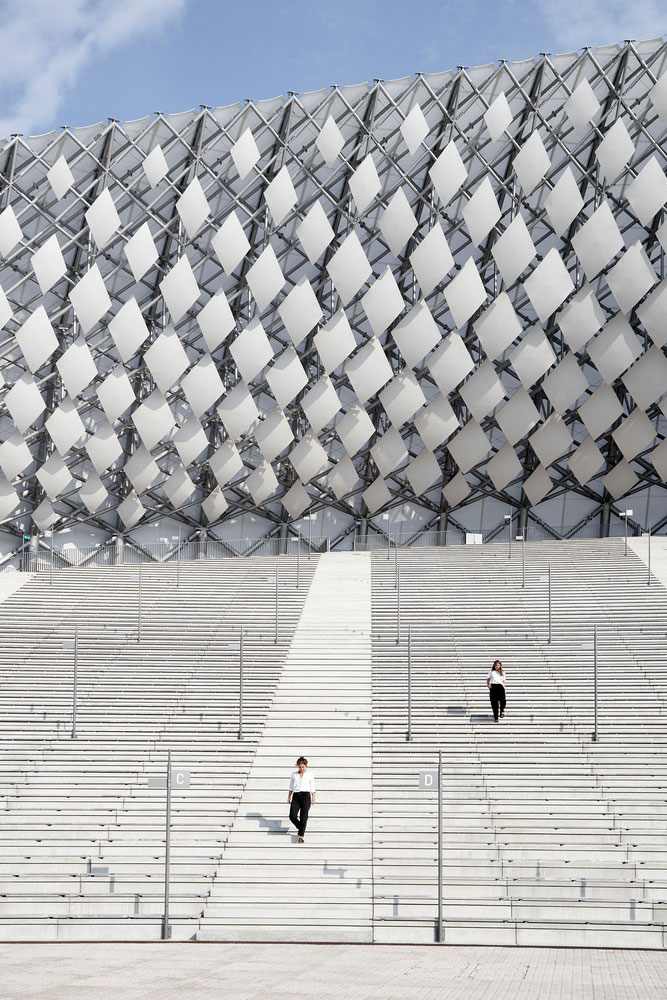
111 554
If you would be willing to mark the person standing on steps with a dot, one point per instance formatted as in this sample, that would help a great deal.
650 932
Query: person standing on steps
496 685
301 796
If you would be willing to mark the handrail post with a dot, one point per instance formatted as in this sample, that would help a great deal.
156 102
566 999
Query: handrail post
166 929
549 602
409 736
398 607
241 684
75 679
595 683
276 639
440 934
139 608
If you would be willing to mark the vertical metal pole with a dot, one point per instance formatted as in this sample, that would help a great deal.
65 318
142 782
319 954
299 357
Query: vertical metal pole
298 559
310 536
649 556
509 526
409 684
178 562
166 929
523 559
276 605
549 602
595 683
23 556
241 684
398 608
74 679
388 546
51 562
440 934
395 563
626 534
139 608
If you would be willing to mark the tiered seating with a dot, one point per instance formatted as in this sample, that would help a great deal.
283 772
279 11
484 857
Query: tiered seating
549 837
81 834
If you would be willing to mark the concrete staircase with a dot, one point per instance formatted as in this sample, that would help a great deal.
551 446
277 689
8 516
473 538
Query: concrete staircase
549 837
266 887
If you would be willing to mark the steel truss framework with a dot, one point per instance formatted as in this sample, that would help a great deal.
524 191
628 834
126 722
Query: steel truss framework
474 260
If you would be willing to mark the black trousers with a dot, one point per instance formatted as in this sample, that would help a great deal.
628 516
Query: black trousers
497 696
299 809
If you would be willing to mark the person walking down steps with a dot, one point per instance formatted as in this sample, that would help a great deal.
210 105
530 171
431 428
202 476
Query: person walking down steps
497 691
301 796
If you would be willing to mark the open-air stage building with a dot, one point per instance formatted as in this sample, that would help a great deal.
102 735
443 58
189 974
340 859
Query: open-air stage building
310 408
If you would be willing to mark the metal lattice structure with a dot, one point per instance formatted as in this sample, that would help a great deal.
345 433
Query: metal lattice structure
428 292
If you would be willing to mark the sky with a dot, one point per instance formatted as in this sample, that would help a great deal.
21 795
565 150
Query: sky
75 62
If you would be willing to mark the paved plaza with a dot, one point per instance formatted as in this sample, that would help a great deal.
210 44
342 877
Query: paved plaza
325 972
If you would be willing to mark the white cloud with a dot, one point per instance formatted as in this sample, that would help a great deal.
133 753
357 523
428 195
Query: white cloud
576 23
47 44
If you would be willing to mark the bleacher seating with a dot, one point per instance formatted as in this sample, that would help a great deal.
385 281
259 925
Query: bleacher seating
82 834
549 837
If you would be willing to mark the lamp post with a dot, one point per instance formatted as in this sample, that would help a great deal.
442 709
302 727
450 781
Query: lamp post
26 538
178 559
508 521
395 563
649 556
625 514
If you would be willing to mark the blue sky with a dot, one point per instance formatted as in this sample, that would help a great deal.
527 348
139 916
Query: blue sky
75 62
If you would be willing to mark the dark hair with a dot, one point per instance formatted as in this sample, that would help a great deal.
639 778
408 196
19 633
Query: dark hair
300 759
498 663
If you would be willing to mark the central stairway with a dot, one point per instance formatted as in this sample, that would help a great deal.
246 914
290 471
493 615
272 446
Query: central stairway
266 887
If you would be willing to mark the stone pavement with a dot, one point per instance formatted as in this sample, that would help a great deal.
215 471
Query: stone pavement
325 972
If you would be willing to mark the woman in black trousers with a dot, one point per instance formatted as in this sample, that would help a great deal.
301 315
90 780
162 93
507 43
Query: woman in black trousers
496 685
301 796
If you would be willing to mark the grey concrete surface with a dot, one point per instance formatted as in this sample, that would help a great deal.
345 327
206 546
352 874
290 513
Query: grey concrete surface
326 972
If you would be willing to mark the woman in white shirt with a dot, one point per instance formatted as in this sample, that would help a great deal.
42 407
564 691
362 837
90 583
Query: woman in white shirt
301 796
496 685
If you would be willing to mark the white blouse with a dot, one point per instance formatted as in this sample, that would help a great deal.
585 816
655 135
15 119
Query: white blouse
302 782
496 678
